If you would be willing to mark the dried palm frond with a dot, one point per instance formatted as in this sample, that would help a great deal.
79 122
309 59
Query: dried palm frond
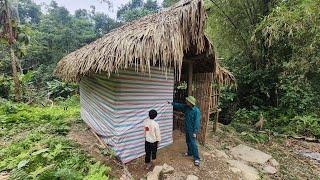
223 76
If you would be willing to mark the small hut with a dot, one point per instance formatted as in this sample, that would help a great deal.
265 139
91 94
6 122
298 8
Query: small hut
135 68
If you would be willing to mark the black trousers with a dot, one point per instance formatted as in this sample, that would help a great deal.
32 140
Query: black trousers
151 151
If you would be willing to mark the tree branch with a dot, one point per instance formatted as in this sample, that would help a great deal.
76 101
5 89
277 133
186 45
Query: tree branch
223 13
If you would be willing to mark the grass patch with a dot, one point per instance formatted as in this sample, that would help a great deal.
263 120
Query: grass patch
35 144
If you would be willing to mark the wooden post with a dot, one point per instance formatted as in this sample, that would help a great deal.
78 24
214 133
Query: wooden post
190 74
216 121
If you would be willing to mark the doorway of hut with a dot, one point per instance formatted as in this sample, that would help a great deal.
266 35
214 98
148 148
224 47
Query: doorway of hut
198 85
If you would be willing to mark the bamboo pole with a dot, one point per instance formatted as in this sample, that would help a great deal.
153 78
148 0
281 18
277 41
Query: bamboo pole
216 123
190 74
99 139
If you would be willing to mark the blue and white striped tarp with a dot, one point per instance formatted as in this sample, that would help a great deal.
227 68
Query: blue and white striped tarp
116 107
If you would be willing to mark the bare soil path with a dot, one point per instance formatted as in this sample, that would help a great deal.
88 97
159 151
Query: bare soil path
211 167
214 157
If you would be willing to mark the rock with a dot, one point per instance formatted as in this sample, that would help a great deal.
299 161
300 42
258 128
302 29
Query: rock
249 154
221 154
235 170
274 162
312 155
192 177
154 175
248 172
166 169
4 176
269 169
174 176
125 177
244 133
206 154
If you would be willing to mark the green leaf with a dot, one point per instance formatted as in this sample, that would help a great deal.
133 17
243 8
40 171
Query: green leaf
40 170
40 151
23 163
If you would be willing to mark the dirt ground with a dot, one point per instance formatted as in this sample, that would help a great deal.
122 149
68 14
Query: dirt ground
292 165
211 168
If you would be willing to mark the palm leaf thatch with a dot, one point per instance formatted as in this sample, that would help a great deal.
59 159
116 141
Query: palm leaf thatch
224 76
163 39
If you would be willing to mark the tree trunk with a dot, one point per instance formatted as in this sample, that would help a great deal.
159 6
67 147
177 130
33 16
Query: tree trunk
17 85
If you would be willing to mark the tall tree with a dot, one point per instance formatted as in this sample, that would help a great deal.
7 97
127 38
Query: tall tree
231 25
103 24
168 3
136 9
29 12
9 21
151 5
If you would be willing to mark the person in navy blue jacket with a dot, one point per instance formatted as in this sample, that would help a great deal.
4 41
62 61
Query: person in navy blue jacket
192 126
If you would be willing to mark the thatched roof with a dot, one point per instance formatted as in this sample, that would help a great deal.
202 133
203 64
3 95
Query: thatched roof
224 76
163 39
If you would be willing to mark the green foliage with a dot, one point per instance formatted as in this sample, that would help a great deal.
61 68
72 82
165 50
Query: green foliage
249 117
49 37
5 86
298 125
29 12
36 146
168 3
293 24
277 122
231 25
61 89
272 47
254 137
103 24
136 9
97 172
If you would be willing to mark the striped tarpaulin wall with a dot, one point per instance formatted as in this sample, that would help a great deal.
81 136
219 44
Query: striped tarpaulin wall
116 107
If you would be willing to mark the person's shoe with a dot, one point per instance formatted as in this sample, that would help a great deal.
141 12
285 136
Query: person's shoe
197 163
148 166
186 154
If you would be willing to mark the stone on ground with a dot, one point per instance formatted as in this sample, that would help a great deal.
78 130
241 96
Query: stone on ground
174 176
166 169
269 169
154 175
4 176
274 162
248 172
192 177
220 154
235 170
123 177
249 154
312 155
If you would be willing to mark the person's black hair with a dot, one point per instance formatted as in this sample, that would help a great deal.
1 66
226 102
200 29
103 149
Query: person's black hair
153 114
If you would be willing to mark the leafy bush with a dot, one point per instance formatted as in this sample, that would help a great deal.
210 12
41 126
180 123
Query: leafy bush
36 146
303 125
227 103
284 123
61 89
22 113
5 87
247 116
